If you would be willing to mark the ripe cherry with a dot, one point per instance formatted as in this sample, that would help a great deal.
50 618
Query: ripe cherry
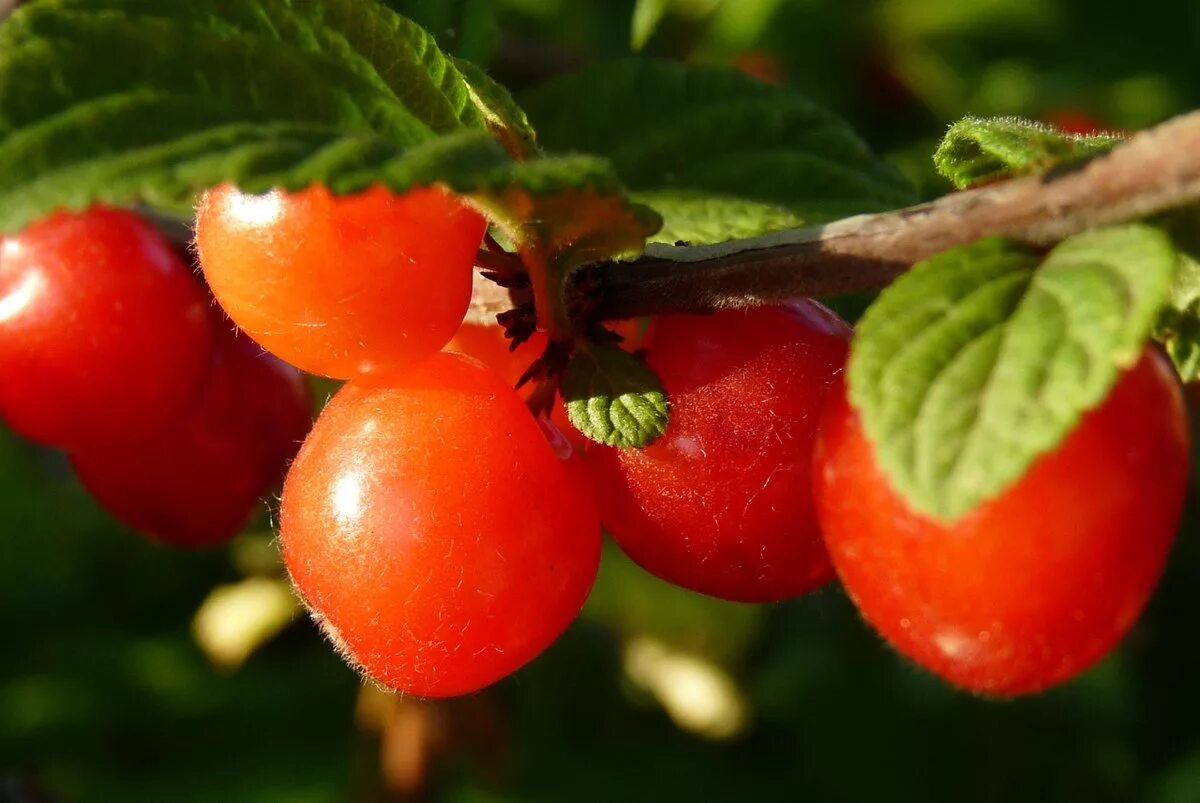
345 286
103 329
433 531
196 482
722 503
1037 584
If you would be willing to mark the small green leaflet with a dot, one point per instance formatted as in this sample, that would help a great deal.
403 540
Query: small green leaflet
718 154
613 398
1178 327
150 102
976 150
984 357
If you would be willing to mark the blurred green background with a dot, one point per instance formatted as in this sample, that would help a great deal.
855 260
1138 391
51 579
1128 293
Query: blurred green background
114 688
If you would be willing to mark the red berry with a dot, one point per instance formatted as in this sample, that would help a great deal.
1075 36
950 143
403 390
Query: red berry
722 503
1034 586
433 531
195 483
103 329
341 286
1074 121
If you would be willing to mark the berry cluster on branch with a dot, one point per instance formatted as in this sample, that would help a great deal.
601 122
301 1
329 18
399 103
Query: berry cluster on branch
993 462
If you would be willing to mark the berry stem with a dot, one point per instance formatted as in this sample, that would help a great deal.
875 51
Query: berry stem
546 279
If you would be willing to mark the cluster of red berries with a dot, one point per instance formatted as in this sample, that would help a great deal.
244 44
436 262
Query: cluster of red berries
441 535
443 542
110 349
428 522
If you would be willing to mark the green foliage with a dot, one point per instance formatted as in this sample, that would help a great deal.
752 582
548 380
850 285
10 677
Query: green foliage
214 93
268 93
718 154
1178 327
505 119
613 398
1006 57
980 359
647 14
976 150
466 28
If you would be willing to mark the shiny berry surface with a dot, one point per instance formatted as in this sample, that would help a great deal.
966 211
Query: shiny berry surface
722 503
1034 586
433 531
347 286
103 329
197 482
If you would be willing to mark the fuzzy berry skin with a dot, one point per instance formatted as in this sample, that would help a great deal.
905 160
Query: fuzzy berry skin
196 482
342 286
722 503
104 330
433 531
1037 584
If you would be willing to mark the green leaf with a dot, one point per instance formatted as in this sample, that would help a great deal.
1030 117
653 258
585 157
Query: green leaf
363 37
977 150
718 154
647 14
466 28
210 91
505 119
1178 327
145 102
166 175
979 360
613 398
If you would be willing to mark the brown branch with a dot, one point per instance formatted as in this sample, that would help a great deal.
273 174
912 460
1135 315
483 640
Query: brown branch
1152 172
